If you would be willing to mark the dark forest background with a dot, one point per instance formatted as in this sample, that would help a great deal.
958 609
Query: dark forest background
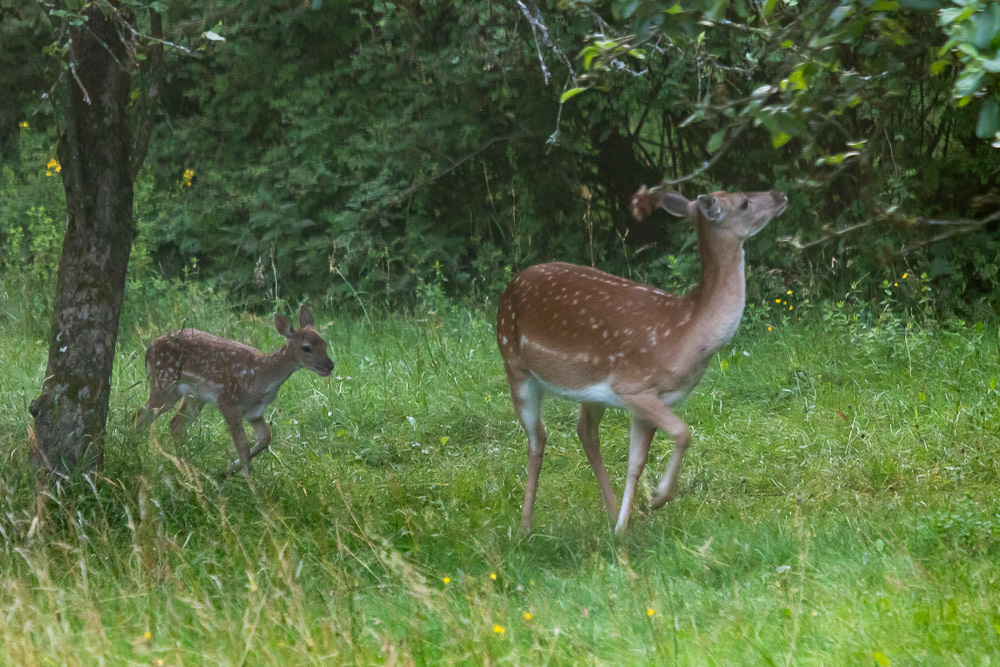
403 152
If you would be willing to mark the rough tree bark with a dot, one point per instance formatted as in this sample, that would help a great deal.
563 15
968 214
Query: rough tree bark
99 164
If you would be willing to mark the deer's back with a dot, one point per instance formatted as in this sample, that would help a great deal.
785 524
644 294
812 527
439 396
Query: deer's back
192 355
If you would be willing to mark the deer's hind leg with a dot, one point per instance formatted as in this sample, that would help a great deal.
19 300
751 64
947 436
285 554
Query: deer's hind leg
587 430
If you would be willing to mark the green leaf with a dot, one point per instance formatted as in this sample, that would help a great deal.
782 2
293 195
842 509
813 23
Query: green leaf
715 141
674 9
837 158
881 658
780 139
968 82
797 79
787 44
989 119
955 15
570 93
987 25
938 66
884 6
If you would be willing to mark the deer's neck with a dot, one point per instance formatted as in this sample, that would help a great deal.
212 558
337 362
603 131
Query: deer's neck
720 296
275 368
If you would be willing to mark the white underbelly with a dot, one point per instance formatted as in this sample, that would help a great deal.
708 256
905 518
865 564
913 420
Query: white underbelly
599 394
202 391
602 394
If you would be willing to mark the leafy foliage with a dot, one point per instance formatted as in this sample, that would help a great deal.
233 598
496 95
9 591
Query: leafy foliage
365 152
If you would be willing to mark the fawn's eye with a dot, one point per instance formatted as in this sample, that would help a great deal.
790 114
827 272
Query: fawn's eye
745 205
306 348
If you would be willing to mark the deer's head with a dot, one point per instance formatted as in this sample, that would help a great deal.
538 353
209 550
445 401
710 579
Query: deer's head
306 345
740 213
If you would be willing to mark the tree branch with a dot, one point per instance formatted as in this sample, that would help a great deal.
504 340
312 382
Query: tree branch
156 69
957 228
538 27
708 164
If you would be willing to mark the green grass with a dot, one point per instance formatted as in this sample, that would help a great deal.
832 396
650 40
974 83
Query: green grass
838 506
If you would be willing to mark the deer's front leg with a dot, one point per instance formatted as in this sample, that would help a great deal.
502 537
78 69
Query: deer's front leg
186 414
263 432
234 420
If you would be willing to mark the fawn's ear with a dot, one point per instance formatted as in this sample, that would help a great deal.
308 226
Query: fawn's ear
282 325
305 317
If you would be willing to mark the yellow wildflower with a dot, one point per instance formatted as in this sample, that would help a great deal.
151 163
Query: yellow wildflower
48 173
493 576
499 629
790 307
650 611
769 328
446 580
188 175
24 124
788 292
904 275
777 300
148 634
527 615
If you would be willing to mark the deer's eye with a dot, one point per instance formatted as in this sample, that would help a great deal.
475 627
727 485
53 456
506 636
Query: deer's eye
306 348
745 205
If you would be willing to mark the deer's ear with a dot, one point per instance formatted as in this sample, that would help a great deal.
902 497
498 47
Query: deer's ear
709 207
675 204
282 325
305 317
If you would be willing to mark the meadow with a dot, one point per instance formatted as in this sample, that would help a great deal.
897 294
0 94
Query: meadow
838 505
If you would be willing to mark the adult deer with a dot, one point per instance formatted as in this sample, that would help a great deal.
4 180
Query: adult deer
197 368
601 340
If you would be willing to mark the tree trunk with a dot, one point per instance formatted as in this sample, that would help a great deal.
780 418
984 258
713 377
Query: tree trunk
94 151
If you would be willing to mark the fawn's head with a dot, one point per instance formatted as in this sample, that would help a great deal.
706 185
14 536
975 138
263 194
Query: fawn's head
740 213
305 343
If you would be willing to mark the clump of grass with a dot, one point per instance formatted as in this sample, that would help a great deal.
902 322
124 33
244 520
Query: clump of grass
837 505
